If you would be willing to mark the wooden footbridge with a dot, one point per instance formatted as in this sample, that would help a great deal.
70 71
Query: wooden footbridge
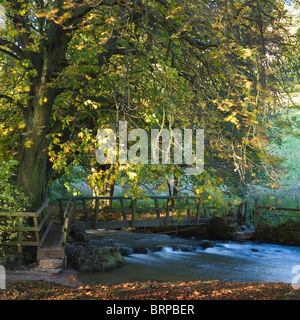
49 230
122 212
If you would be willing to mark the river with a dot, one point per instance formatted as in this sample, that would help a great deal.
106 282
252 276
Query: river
170 258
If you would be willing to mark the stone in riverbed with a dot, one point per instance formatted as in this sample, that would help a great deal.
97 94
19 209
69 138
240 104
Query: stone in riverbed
140 250
206 244
51 263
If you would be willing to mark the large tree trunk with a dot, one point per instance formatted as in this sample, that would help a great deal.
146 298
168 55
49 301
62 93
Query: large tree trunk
49 60
32 173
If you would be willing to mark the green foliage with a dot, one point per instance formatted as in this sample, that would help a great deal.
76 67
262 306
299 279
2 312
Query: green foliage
70 184
12 199
69 70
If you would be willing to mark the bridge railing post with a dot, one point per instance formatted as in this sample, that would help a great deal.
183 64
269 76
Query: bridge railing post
97 203
134 201
167 212
123 209
198 211
188 210
86 213
157 208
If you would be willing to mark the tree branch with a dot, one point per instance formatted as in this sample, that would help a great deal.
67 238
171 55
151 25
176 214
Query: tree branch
10 54
171 27
16 51
11 100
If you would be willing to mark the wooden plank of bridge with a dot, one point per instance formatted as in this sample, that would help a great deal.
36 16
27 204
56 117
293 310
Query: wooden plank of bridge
51 247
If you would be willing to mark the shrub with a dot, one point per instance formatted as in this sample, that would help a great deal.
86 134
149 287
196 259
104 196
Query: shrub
12 199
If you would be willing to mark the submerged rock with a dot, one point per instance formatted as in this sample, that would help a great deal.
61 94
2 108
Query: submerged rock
206 244
140 250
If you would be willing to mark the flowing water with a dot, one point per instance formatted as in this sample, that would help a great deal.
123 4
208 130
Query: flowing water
176 259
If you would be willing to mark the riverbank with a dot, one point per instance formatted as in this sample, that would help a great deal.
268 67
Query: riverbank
67 278
196 290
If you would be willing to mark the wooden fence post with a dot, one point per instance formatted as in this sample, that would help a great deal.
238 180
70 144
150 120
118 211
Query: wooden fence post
245 205
188 211
74 209
96 212
198 211
123 209
256 214
133 212
36 225
167 212
85 209
20 235
157 208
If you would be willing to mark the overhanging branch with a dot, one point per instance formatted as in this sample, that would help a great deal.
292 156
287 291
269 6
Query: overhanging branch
15 52
11 100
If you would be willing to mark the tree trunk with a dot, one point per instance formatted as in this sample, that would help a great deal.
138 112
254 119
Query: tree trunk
32 173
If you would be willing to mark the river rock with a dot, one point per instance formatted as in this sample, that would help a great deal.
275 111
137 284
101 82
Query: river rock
244 235
140 250
184 248
125 252
49 270
51 263
206 244
88 259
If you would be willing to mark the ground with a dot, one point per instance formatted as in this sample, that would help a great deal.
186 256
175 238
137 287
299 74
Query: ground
65 286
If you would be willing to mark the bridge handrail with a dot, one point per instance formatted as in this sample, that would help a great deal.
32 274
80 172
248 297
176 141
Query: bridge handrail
126 198
270 208
67 221
38 229
165 209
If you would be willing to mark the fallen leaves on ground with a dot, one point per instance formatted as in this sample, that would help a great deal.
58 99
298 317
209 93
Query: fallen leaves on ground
198 290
